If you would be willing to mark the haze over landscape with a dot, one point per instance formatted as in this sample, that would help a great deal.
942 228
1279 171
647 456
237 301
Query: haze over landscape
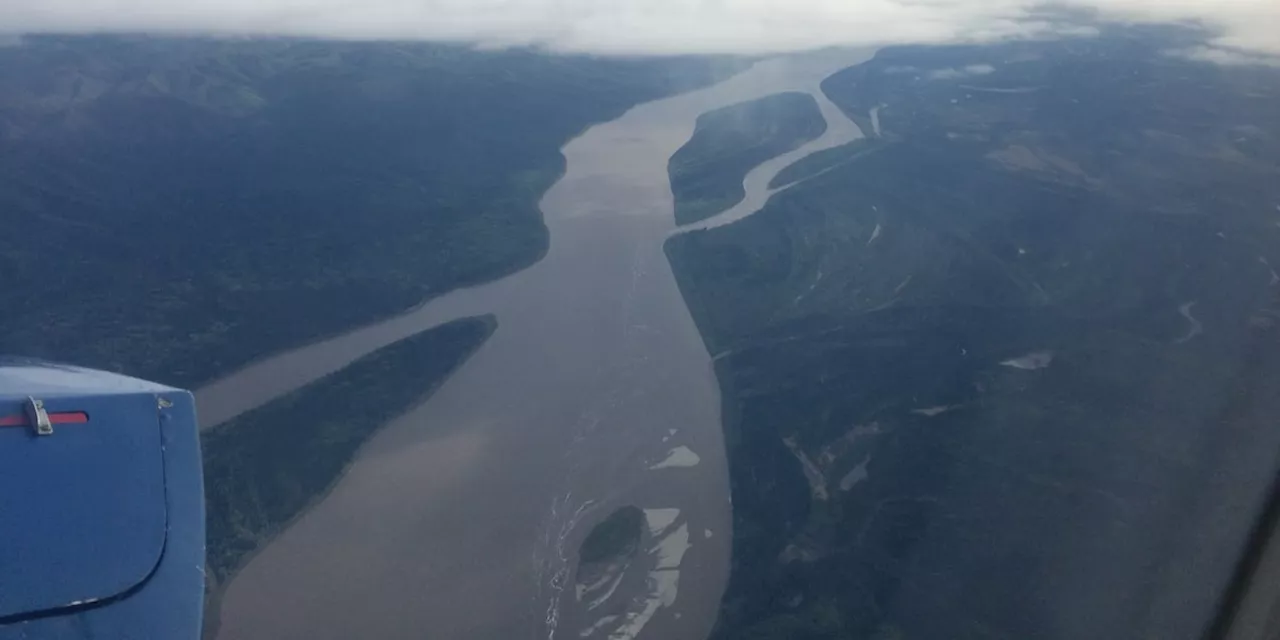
639 26
642 320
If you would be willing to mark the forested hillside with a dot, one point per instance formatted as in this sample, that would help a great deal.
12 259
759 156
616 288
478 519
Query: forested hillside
1007 369
176 208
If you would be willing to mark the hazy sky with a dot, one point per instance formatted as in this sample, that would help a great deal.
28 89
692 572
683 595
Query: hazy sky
631 26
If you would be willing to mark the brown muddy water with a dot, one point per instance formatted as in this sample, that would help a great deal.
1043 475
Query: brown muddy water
461 518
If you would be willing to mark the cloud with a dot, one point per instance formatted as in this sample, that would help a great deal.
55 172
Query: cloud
1226 56
962 72
636 26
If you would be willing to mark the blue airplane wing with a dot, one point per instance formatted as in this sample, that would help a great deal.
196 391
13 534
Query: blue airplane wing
102 528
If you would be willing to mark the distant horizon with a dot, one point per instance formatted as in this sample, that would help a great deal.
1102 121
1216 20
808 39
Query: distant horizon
1241 32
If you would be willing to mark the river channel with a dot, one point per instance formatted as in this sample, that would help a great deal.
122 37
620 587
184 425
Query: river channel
460 519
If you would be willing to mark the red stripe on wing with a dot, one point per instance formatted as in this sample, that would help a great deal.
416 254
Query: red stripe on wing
65 417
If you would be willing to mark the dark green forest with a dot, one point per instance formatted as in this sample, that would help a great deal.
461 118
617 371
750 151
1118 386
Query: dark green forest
176 208
707 172
1026 337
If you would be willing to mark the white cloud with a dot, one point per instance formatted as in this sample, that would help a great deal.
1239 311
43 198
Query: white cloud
632 26
953 73
1227 56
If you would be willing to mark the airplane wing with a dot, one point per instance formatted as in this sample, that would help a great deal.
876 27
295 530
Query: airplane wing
101 506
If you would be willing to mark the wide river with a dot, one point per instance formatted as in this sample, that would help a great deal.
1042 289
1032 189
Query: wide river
460 519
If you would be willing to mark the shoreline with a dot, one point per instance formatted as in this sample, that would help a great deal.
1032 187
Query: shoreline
561 413
215 592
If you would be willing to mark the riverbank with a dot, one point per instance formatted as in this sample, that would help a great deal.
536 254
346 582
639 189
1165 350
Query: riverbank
266 468
597 372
